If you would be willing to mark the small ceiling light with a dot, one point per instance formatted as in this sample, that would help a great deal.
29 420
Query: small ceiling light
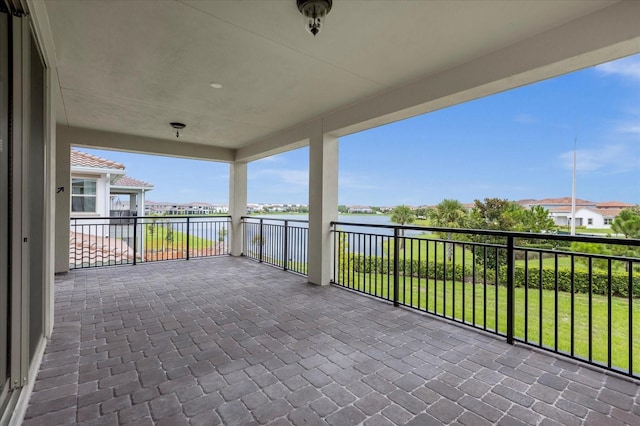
314 12
216 85
179 127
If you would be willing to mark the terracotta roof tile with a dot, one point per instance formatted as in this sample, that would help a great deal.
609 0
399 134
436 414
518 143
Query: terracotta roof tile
126 181
82 159
563 201
614 204
610 212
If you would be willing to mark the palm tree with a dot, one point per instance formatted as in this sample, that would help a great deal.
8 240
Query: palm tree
448 214
402 215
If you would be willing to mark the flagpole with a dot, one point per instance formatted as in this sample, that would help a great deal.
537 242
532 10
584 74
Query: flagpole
573 189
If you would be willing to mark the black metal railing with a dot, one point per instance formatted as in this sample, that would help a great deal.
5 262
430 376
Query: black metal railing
575 296
126 240
279 242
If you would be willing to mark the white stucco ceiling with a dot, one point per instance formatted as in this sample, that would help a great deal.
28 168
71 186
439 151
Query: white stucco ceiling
134 66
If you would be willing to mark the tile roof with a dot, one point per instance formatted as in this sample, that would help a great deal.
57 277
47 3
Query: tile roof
609 212
564 200
614 204
82 159
129 182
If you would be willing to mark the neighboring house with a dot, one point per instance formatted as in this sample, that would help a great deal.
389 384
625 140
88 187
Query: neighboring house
97 185
588 213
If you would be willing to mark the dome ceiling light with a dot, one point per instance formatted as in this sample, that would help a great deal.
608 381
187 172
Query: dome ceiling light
314 12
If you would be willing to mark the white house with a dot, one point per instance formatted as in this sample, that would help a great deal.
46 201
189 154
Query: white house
589 214
96 182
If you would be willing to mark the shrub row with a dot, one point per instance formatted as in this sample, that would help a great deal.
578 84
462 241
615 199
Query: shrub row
440 271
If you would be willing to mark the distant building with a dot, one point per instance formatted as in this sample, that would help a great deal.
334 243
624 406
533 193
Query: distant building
360 209
179 209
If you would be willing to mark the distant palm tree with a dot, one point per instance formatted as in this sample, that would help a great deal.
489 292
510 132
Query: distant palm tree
448 214
402 215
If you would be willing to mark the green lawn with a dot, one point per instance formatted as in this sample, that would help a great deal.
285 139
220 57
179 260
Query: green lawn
442 298
157 239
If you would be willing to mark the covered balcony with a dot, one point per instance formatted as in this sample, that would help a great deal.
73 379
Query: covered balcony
230 341
226 340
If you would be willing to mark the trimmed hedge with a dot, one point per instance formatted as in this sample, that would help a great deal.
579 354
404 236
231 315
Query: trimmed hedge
440 271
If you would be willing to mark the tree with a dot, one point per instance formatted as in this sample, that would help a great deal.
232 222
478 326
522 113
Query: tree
258 240
627 223
492 214
221 234
169 235
448 214
402 215
536 219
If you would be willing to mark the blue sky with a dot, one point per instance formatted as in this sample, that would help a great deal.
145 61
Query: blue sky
517 144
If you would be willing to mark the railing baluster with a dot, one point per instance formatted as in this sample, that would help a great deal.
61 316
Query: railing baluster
188 238
630 301
609 308
510 290
285 246
260 240
396 264
135 239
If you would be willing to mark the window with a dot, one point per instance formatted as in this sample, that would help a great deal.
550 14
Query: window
608 221
590 221
83 195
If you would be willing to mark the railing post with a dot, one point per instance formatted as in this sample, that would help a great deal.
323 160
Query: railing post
260 241
243 230
285 245
396 265
187 237
510 289
135 239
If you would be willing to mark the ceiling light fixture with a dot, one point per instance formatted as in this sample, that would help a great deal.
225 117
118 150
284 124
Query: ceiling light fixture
216 85
179 127
314 12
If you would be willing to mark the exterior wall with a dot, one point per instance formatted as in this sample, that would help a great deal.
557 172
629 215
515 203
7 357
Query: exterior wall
582 219
63 201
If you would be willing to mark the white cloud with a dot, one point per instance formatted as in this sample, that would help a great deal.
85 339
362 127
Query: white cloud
628 67
525 118
287 176
355 181
613 158
633 128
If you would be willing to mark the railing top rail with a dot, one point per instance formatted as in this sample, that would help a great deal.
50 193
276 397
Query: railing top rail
528 235
274 219
190 216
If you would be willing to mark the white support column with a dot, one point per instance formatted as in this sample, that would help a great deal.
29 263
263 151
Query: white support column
237 204
323 205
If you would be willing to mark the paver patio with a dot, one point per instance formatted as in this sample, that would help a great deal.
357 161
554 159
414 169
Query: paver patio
230 341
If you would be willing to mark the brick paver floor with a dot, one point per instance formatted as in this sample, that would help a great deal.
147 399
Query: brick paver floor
230 341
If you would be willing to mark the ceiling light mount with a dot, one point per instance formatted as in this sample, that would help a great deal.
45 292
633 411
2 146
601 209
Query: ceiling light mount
314 12
178 127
